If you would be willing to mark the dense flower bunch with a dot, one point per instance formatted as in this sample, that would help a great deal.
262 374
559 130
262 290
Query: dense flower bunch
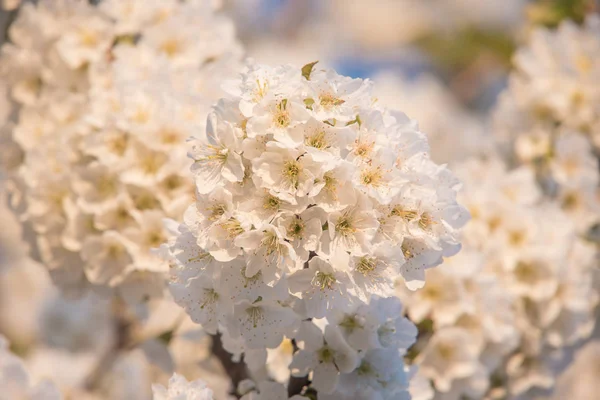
549 117
310 201
358 354
500 318
104 98
15 382
180 389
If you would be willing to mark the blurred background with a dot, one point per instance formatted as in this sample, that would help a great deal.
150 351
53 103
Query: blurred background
443 62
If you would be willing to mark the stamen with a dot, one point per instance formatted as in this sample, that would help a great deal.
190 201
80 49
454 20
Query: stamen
255 315
345 225
210 297
329 101
366 265
318 140
216 211
426 221
292 170
371 176
271 203
233 227
407 215
324 281
325 354
296 229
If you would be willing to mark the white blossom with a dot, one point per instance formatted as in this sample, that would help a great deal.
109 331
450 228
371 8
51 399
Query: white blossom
104 97
16 383
180 389
310 203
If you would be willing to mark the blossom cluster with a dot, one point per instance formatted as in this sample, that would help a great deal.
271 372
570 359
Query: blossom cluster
180 389
16 382
498 317
103 99
357 354
549 118
311 199
502 319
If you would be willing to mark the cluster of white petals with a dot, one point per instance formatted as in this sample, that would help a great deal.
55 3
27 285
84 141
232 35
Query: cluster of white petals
16 383
498 318
103 99
180 389
358 354
502 319
549 118
312 200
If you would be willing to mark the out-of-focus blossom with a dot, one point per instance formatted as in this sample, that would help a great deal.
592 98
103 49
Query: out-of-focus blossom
389 23
520 294
180 389
550 115
453 133
105 97
580 381
16 383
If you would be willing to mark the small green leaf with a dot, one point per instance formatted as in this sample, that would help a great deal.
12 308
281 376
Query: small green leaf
307 70
309 103
355 121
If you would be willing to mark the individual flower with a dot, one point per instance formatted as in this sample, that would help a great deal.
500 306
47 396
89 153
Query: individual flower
326 354
449 355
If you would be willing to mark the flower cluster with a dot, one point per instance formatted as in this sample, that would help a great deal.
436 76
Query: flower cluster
180 389
358 354
549 117
310 200
500 318
104 98
15 382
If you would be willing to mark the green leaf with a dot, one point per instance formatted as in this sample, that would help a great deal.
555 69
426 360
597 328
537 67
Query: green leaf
309 103
551 13
355 121
462 48
307 70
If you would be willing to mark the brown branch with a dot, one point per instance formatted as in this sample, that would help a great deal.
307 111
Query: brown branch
297 383
123 329
236 370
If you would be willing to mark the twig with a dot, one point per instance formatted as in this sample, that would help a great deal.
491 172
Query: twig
297 384
123 328
237 371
